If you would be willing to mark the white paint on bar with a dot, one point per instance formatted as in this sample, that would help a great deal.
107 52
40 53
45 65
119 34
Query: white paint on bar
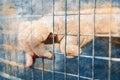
5 75
100 57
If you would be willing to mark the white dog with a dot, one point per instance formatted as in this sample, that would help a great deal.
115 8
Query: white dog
33 37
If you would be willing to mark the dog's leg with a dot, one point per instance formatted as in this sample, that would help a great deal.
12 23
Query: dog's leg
30 60
72 45
85 40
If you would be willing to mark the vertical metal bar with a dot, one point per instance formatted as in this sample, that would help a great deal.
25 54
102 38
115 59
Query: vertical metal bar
65 60
109 62
42 58
9 54
93 49
24 69
43 69
32 69
110 47
16 43
5 40
79 4
42 7
53 63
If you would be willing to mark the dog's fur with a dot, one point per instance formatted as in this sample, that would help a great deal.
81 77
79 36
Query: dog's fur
32 38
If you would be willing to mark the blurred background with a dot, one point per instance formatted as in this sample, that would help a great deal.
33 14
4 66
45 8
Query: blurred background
12 65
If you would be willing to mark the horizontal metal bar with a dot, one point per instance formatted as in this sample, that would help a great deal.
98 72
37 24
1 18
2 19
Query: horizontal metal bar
11 62
81 14
33 16
96 57
103 58
22 66
97 35
5 75
68 74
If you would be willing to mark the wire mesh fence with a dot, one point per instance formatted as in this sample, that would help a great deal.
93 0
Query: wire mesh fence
85 39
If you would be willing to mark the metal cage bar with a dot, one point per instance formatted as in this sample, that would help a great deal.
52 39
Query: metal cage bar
31 22
65 60
93 46
110 46
43 63
79 4
53 71
53 63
